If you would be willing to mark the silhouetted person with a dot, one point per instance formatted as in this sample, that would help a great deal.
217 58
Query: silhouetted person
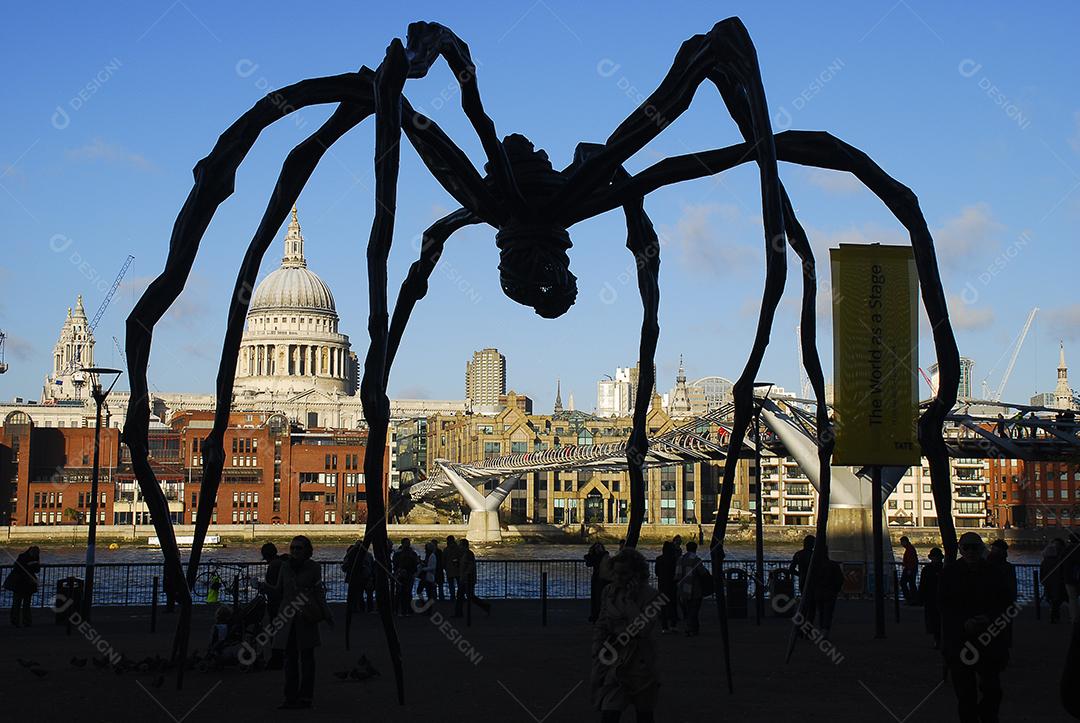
359 566
800 561
425 576
405 563
828 582
300 586
666 564
929 581
467 590
974 599
598 559
688 577
1071 573
440 571
624 670
909 570
1052 575
167 584
270 587
677 541
22 581
452 563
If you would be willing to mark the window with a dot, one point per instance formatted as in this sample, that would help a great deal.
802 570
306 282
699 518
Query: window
908 487
927 505
892 504
909 505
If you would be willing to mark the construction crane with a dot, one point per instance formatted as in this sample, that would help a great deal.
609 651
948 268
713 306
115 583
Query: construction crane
77 362
1019 343
3 364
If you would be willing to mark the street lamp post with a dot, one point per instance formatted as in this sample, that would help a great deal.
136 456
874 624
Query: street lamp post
759 536
91 538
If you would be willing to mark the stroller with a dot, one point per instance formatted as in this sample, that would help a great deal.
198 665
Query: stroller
234 631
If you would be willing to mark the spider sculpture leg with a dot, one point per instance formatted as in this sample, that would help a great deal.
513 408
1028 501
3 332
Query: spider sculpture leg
822 150
214 178
726 50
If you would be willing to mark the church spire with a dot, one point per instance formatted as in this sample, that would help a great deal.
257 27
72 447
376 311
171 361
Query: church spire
294 244
558 395
1063 396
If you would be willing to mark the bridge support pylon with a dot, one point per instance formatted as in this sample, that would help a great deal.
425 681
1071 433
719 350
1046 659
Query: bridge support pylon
484 524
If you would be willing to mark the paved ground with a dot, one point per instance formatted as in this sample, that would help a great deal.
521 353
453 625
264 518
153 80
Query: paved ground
508 667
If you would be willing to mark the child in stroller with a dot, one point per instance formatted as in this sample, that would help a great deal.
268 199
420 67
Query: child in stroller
233 632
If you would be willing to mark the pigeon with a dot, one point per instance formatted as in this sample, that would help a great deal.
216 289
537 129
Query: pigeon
342 675
27 663
39 672
365 665
78 662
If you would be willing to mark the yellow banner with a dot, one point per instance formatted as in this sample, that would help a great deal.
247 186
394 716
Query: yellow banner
875 355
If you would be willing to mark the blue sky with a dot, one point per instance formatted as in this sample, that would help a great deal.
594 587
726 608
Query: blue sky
109 107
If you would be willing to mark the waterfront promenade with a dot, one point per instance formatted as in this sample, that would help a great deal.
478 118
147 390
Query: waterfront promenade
492 669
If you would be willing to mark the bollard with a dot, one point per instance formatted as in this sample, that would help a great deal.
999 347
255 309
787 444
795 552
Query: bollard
896 593
1038 597
153 605
543 599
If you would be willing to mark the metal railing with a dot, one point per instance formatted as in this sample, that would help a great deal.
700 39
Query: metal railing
119 584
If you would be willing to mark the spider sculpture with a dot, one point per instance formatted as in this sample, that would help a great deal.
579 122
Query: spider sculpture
531 205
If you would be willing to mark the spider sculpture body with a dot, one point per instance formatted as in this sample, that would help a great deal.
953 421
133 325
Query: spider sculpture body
531 205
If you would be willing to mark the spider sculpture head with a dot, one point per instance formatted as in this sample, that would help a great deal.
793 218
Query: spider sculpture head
534 268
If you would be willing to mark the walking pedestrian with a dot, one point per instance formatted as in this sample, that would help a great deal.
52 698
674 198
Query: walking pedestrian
624 660
909 570
22 581
799 567
829 581
467 590
300 590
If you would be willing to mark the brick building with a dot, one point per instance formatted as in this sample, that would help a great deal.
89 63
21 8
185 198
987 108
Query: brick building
275 472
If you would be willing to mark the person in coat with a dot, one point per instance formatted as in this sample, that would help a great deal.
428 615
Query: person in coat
827 587
405 563
269 588
624 670
303 607
440 571
425 591
974 600
928 593
22 581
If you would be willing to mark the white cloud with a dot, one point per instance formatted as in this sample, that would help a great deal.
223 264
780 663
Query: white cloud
974 231
835 182
969 317
1064 321
99 150
698 234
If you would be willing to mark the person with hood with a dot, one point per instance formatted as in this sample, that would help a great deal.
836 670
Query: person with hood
22 581
300 589
928 593
599 560
1052 575
909 566
974 600
624 660
666 563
